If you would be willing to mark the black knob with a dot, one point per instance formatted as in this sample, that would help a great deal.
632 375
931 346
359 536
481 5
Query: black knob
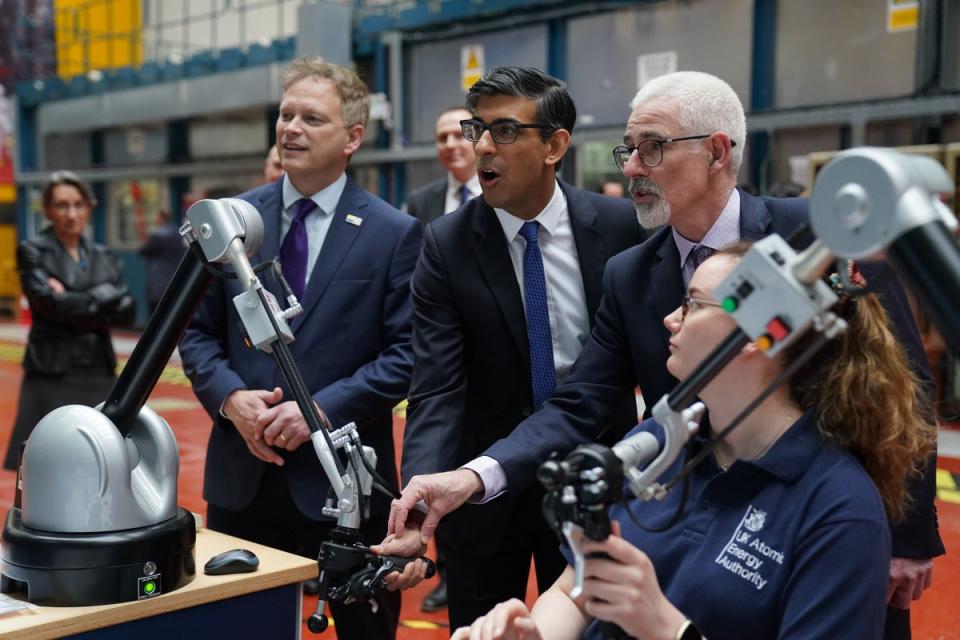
317 623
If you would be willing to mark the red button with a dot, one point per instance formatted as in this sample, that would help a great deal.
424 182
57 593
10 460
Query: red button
778 329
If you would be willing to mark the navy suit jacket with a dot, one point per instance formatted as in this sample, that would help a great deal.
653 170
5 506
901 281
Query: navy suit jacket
427 203
352 345
471 381
629 346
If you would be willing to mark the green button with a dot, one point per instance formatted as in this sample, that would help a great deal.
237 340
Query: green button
730 304
150 587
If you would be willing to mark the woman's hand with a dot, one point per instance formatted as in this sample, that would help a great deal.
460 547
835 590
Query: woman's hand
623 589
55 285
507 621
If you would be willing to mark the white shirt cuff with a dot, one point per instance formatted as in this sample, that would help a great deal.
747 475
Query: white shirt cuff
492 476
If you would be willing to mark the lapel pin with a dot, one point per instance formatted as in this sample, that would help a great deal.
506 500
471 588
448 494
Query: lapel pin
354 220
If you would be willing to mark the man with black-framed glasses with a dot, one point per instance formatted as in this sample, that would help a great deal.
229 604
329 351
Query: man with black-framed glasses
504 296
690 129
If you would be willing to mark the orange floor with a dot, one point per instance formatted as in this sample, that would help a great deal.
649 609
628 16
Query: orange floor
936 616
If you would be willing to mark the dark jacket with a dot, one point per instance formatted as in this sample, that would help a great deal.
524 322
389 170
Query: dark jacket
162 253
471 378
629 348
352 346
71 326
427 203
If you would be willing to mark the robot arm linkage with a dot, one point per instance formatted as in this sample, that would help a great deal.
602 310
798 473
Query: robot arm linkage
865 201
228 230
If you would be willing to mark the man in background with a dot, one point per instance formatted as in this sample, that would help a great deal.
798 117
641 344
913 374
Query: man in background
162 253
456 155
612 188
272 167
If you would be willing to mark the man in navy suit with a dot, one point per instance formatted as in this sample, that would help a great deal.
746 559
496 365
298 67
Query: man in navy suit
682 149
456 155
497 324
349 257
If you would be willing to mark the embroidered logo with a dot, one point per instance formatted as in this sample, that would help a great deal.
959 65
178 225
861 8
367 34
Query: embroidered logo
754 520
745 555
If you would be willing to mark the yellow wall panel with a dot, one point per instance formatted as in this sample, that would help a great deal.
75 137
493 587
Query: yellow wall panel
97 34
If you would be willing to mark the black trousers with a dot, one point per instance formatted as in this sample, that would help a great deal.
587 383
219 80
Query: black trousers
476 584
897 625
274 520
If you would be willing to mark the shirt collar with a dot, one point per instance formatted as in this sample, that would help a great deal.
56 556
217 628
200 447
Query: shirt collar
794 451
327 198
549 218
473 185
724 232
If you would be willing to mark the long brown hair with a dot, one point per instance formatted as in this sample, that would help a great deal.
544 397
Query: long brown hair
865 396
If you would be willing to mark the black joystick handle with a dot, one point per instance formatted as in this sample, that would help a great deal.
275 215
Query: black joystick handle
318 623
399 563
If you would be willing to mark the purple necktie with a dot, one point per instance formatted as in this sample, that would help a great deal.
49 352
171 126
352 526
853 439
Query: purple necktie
700 253
293 251
464 194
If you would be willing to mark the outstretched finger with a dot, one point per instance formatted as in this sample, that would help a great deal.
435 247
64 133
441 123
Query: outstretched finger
397 520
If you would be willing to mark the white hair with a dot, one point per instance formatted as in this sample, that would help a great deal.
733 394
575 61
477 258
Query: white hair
706 104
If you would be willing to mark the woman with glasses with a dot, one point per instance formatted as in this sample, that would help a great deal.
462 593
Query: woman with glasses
782 532
76 292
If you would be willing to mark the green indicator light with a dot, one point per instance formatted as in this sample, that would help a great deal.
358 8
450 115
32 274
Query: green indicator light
150 587
730 304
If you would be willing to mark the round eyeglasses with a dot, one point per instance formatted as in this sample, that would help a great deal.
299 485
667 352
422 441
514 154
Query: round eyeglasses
651 150
502 132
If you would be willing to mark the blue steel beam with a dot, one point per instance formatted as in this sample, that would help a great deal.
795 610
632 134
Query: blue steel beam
762 84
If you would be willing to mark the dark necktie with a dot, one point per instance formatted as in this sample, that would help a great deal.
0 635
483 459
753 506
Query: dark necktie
542 372
699 253
293 251
464 194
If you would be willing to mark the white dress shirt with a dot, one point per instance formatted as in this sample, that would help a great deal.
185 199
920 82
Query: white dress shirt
724 232
317 221
566 302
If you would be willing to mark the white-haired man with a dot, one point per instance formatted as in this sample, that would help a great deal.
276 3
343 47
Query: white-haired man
682 149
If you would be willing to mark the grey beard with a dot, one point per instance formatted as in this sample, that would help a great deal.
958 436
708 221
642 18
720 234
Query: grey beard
653 216
650 216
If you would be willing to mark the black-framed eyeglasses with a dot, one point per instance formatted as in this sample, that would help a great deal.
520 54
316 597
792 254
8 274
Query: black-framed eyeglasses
502 132
651 150
690 303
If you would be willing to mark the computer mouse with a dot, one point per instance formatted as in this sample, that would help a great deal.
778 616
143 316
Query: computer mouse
232 561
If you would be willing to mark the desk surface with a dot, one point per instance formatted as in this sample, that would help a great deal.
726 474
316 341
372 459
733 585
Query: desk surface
277 568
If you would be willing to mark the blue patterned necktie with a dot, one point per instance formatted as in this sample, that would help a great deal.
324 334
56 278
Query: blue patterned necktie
464 194
699 253
542 372
293 251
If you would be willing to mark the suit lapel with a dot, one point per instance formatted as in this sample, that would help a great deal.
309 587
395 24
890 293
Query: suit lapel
667 276
591 249
493 258
340 237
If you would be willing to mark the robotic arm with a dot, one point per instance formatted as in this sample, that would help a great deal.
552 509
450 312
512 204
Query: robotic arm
349 572
865 201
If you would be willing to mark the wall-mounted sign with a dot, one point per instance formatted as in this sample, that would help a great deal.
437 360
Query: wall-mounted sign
471 65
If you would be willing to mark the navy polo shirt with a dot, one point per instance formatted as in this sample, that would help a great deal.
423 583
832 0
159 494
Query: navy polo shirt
793 545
